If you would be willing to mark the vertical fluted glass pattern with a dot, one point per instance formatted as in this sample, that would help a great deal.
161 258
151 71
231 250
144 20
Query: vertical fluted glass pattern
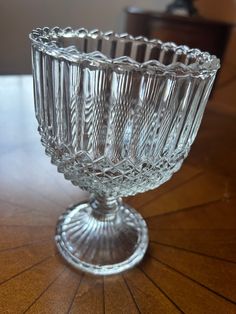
117 115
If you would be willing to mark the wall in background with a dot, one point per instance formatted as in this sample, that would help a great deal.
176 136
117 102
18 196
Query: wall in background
18 18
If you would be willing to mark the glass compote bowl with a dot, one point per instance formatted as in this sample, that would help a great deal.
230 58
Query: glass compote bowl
117 115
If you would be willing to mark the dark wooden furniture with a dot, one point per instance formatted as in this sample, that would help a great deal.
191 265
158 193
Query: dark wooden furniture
194 31
190 265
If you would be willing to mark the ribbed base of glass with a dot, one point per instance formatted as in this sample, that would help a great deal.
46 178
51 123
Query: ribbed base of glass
102 242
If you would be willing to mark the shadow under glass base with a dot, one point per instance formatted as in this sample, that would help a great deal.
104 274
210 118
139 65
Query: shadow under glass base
102 237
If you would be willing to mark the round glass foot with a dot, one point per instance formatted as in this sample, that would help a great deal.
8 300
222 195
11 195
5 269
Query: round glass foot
102 241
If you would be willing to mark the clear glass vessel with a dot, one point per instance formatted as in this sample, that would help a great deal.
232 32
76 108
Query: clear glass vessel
117 115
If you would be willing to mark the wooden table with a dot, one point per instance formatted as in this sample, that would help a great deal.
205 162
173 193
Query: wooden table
190 266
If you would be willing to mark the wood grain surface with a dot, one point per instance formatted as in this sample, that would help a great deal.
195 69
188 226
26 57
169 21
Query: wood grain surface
190 266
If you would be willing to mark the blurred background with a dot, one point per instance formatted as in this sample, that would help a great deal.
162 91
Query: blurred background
206 24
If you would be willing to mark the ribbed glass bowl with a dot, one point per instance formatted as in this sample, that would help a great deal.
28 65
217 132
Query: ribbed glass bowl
117 115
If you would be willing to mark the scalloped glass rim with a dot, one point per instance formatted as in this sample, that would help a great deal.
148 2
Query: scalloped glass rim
42 37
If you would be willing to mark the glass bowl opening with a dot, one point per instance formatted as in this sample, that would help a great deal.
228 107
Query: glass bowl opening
72 44
137 49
